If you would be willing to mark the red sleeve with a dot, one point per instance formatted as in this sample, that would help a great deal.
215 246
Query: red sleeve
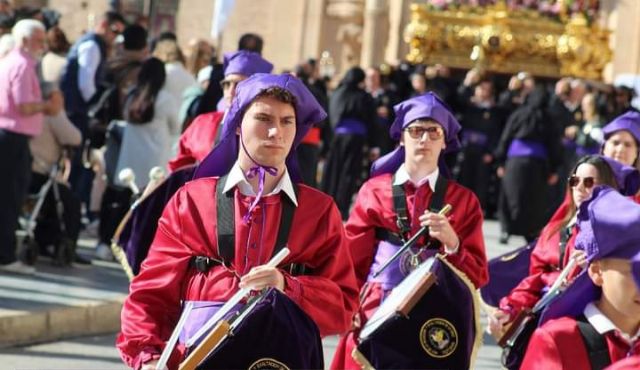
197 140
151 310
525 295
470 257
542 353
360 230
330 294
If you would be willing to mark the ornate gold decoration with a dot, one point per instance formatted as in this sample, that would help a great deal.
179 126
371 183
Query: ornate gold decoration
507 41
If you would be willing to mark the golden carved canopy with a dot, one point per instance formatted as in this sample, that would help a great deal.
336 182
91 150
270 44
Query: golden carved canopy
507 41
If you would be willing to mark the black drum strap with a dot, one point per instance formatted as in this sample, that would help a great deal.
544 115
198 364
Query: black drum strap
437 200
400 208
595 343
226 222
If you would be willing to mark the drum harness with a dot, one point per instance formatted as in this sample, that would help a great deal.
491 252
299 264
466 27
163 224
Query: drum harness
226 233
400 207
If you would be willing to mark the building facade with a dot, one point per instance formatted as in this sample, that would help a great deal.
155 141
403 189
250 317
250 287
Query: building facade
350 32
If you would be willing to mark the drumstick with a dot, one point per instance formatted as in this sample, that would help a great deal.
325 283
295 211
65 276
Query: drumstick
162 362
554 290
275 261
410 242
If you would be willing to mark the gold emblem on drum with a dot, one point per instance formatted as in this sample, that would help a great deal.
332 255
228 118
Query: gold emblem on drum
268 364
438 338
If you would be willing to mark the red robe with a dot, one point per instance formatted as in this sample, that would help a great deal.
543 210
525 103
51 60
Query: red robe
630 363
543 269
187 228
544 264
558 345
197 140
373 209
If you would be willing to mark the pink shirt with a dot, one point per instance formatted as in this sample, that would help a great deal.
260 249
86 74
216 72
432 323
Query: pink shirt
18 85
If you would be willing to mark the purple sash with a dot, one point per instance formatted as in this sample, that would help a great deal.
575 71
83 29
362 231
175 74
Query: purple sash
586 150
397 271
526 148
349 126
474 137
201 312
568 143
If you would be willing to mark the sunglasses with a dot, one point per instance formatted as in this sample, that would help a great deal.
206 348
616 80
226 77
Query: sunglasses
587 182
433 132
116 30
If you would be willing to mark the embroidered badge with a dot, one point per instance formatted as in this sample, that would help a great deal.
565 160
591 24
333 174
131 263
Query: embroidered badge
268 364
438 338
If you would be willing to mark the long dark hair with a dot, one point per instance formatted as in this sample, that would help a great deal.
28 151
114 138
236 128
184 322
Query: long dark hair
605 177
140 103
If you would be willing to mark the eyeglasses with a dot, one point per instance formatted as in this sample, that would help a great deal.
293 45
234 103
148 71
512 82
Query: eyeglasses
587 182
433 132
227 84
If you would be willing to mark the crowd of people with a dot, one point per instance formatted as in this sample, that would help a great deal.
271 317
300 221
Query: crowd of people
350 173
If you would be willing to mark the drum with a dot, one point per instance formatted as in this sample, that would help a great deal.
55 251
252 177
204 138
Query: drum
138 228
505 273
269 332
429 321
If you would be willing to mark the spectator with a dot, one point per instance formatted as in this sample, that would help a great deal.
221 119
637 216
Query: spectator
46 149
55 60
80 83
21 109
178 78
152 126
199 55
251 42
122 70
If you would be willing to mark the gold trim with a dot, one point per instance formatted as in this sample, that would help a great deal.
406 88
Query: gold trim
498 39
361 360
477 343
119 254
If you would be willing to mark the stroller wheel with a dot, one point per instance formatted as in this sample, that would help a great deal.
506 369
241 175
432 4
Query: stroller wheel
28 252
65 252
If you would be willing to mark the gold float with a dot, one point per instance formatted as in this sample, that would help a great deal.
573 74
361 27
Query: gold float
507 41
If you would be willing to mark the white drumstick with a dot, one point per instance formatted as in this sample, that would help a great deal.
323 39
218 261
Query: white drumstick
127 177
228 306
166 353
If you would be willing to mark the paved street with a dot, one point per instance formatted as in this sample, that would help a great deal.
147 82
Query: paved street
98 352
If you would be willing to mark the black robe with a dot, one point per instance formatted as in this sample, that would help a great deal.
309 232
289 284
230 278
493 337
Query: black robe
524 197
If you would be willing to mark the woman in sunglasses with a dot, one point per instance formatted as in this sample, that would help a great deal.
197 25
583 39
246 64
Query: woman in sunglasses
555 246
412 175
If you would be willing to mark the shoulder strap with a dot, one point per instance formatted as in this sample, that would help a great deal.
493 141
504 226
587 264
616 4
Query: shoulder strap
226 222
437 200
400 202
286 219
595 344
565 234
400 207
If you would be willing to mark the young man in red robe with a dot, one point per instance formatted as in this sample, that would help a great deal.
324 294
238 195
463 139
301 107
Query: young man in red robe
198 139
602 305
426 129
631 362
256 160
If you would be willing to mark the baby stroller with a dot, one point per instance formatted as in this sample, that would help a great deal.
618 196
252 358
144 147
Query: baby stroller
35 213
